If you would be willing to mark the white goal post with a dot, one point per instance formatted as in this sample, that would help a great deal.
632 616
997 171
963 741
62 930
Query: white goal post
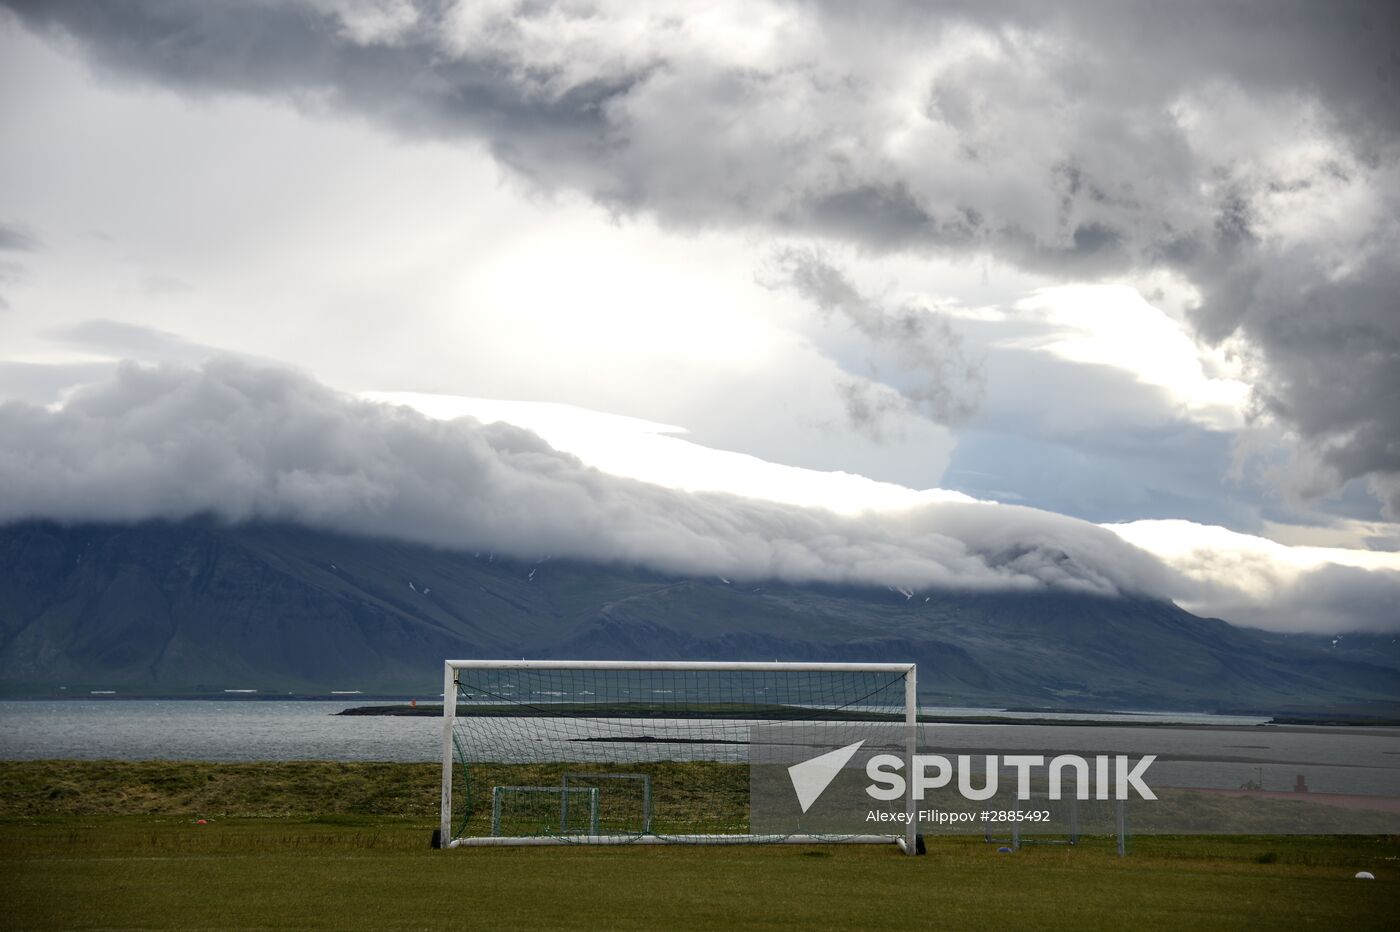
542 723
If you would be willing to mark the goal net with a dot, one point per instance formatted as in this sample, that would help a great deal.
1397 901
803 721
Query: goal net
612 752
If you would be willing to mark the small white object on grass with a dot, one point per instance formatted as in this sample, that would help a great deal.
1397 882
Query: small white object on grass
1365 875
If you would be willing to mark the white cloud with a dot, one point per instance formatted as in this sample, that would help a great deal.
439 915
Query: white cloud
1256 581
656 453
1240 577
248 442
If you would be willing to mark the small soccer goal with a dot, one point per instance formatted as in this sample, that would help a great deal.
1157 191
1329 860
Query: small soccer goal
613 752
624 800
544 810
1066 820
577 808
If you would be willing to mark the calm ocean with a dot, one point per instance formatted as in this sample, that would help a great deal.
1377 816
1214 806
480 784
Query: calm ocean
1193 750
139 729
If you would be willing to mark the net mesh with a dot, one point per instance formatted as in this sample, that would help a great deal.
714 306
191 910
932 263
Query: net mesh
666 750
623 800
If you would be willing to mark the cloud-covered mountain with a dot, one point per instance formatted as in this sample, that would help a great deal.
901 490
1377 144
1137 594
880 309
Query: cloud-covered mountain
245 442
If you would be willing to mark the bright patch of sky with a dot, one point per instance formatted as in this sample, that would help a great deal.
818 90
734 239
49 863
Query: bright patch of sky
652 452
1113 325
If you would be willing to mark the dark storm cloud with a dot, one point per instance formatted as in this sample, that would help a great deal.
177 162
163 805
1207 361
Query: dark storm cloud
1333 349
303 54
695 138
1080 140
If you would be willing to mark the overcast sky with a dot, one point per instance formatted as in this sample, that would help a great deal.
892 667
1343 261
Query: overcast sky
1119 264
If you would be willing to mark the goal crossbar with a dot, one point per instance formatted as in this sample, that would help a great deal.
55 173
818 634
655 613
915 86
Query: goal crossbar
754 666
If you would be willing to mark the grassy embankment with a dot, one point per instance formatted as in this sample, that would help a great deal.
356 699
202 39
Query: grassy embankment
321 845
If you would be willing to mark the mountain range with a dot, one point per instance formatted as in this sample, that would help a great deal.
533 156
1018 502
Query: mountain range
199 607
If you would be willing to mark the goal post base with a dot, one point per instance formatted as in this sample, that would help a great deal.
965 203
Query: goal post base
527 840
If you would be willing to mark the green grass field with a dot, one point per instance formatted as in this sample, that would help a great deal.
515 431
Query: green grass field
344 846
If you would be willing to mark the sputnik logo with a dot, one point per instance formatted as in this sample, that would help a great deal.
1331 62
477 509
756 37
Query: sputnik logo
811 777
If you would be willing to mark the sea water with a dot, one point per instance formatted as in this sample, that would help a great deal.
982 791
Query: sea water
1192 749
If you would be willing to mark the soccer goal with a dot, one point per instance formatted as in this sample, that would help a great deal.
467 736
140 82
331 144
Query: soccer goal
538 752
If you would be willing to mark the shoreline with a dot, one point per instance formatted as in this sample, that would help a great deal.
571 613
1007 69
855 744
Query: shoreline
396 705
1029 717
